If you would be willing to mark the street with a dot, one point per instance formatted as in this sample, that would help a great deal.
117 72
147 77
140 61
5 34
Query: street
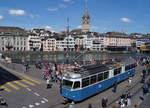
28 90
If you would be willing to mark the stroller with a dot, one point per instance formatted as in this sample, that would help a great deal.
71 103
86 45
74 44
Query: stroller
2 101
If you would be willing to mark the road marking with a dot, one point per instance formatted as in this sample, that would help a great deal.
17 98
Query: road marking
13 86
35 81
31 106
42 101
37 104
45 99
24 107
5 88
28 89
21 84
36 94
30 83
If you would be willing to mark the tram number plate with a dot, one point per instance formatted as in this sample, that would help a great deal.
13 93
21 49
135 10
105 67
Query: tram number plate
99 86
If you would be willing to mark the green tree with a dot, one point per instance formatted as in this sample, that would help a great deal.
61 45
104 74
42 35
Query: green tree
133 45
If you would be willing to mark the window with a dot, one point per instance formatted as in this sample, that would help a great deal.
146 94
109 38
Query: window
127 67
117 71
67 84
85 82
76 85
100 77
93 79
106 75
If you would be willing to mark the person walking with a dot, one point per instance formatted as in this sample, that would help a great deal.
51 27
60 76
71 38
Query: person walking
116 105
72 105
89 105
104 102
47 82
148 85
129 81
115 87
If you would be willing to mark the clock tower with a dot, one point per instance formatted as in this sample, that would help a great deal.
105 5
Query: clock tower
86 21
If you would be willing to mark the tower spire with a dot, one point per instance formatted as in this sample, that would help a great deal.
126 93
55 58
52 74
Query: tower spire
67 25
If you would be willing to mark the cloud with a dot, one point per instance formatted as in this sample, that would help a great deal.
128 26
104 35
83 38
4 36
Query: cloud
79 27
49 28
67 0
33 16
1 17
125 20
52 9
17 12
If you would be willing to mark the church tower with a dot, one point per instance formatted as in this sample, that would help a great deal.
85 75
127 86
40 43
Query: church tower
86 21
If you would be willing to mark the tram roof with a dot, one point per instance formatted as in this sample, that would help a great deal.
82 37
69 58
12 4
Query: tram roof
98 68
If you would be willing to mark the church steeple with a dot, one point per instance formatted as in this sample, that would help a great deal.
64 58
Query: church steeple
86 20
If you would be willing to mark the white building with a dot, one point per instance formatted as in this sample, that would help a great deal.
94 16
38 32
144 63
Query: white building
65 44
98 43
87 42
34 42
13 42
49 44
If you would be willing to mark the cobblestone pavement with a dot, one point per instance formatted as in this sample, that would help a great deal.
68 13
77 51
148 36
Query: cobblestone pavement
94 100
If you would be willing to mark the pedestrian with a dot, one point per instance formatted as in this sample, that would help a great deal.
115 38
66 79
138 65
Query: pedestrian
60 86
116 105
135 106
72 105
115 87
129 81
128 99
89 105
47 82
148 85
104 102
144 90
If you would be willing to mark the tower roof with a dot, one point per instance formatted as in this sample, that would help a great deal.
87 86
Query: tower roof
86 12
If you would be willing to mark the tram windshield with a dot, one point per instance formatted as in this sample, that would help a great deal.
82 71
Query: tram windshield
67 84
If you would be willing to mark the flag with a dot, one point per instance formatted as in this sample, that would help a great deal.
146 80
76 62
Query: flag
78 49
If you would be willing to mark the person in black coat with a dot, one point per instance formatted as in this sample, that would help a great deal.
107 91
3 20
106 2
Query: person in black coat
104 102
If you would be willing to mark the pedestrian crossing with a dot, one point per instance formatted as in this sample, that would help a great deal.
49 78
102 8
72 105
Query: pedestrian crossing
16 85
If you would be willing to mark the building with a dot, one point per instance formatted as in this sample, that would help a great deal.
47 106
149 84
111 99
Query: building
98 43
86 21
49 44
65 44
34 42
13 39
117 42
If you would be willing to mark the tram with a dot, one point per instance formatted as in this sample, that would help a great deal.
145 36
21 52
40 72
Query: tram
85 81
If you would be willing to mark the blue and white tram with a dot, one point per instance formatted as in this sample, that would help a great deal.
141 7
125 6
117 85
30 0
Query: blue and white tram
90 80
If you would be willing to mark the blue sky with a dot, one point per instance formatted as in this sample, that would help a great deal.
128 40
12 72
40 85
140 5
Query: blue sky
106 15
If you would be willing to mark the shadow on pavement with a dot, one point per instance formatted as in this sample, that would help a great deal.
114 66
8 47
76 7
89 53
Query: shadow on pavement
6 76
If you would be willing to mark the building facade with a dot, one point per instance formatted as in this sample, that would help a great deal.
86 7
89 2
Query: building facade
14 42
49 44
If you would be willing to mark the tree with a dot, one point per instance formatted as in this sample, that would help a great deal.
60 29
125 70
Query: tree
133 45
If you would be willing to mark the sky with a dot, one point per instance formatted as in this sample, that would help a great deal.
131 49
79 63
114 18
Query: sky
128 16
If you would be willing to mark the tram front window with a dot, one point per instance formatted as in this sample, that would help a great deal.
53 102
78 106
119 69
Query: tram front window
76 85
67 84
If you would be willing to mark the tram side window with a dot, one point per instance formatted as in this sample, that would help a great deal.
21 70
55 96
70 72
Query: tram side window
93 79
117 71
127 67
133 66
85 82
106 75
76 85
100 77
